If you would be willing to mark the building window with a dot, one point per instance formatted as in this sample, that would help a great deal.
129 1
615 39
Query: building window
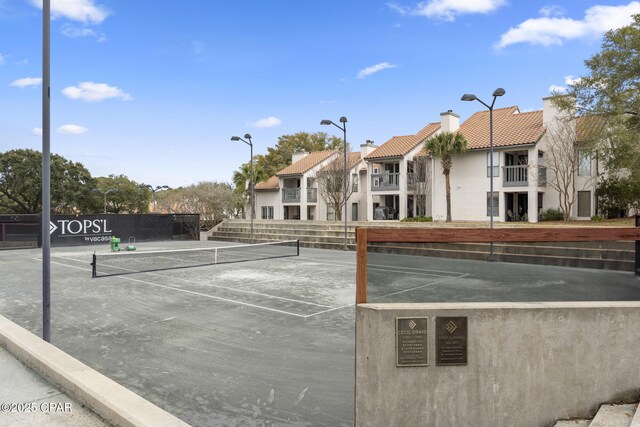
584 204
496 206
496 164
354 182
267 212
584 163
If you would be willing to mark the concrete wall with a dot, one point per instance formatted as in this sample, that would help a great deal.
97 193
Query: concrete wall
529 364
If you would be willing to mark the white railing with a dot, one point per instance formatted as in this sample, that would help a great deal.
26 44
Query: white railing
385 181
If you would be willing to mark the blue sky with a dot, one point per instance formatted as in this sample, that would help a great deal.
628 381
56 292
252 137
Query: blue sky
155 89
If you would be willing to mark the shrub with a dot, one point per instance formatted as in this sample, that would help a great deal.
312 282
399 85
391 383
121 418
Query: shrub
597 218
552 215
418 219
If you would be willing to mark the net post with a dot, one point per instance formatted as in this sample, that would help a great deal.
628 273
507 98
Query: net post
93 267
298 247
361 265
637 248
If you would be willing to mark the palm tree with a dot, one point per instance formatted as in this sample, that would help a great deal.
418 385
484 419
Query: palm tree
444 145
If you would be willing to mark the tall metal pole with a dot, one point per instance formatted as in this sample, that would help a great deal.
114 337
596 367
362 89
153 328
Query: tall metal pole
344 130
104 211
491 175
46 170
252 213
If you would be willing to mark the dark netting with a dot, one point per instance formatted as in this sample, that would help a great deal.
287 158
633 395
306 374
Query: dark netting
119 263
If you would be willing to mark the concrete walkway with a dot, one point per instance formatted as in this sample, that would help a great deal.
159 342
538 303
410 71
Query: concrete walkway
42 385
28 400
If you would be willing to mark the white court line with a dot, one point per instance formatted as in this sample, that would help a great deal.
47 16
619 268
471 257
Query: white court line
195 293
444 279
260 294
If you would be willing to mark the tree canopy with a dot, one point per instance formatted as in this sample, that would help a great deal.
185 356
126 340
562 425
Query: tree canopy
126 195
21 184
611 92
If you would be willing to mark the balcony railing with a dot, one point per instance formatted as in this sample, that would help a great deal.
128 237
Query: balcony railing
518 176
312 194
291 195
385 181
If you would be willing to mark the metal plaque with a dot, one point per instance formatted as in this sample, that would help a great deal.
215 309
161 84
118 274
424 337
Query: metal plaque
451 341
411 341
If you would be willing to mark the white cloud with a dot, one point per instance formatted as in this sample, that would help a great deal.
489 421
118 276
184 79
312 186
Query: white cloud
553 29
71 130
27 81
267 122
374 69
95 92
86 11
448 9
568 81
76 32
37 131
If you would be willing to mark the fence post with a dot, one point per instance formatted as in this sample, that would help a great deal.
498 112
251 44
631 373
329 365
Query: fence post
361 265
637 248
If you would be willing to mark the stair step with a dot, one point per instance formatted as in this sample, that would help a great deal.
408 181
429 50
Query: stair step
572 423
614 415
636 418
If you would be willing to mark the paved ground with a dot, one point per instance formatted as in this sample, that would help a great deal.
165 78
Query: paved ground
29 401
258 343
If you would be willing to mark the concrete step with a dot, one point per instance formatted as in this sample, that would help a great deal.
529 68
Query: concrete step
612 415
572 423
636 418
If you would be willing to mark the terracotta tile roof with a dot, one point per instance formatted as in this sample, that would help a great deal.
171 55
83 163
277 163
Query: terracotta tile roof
306 163
509 128
588 127
398 146
353 159
272 183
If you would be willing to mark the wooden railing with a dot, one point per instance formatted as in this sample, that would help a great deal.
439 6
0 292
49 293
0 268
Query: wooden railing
483 235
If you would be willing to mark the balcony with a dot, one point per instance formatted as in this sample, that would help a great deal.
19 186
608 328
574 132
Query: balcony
385 181
518 176
312 195
290 195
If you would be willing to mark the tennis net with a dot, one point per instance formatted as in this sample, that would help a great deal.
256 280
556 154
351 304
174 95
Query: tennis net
119 263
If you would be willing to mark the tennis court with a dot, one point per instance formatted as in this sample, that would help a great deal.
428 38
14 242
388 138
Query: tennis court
261 342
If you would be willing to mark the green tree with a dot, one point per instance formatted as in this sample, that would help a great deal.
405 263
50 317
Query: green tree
279 157
214 201
444 145
610 92
617 195
21 184
126 195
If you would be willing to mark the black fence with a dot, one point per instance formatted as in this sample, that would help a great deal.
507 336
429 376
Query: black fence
72 230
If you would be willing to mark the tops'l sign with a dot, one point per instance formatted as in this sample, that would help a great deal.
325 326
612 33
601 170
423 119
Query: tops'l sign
80 227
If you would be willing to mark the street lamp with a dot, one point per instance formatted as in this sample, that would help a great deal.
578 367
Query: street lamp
105 196
251 201
471 97
343 128
153 192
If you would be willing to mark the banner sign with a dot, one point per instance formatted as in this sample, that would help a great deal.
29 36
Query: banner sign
69 230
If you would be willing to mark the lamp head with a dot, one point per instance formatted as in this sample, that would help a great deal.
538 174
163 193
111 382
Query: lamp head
326 122
235 138
468 97
498 92
247 135
343 119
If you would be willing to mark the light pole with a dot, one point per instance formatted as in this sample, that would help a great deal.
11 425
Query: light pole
343 128
105 196
251 201
153 193
471 97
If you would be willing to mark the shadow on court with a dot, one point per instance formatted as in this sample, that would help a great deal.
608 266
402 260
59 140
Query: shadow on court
263 342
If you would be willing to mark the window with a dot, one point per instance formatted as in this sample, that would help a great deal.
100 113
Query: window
354 182
584 163
584 204
496 164
496 205
267 212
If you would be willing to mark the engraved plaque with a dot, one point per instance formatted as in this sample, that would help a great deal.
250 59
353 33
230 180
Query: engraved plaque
411 341
451 341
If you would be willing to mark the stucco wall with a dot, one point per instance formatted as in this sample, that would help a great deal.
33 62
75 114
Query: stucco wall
529 364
